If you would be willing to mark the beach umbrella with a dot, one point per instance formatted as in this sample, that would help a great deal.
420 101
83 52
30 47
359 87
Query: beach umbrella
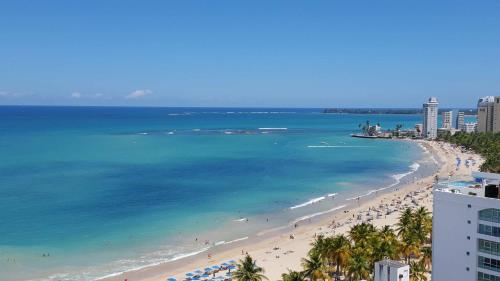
171 279
205 275
225 264
215 267
207 269
196 278
231 267
232 261
198 271
189 274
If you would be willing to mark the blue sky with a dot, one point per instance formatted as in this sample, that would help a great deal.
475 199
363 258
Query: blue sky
249 53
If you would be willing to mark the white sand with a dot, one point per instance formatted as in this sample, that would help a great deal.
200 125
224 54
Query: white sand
291 251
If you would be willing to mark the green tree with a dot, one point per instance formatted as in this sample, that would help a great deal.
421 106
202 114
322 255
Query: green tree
292 276
417 271
313 267
247 270
358 267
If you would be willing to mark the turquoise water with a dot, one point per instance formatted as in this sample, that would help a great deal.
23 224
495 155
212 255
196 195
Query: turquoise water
102 190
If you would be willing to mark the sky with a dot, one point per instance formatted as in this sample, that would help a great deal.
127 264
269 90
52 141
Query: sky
249 53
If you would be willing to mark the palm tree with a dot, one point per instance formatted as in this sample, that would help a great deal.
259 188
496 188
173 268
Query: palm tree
426 257
417 271
409 247
422 224
405 223
361 233
358 267
340 252
292 276
313 267
248 271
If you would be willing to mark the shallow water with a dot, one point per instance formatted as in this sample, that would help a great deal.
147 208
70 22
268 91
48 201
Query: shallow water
102 190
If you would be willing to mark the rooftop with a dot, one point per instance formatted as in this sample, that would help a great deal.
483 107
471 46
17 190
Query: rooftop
480 184
392 263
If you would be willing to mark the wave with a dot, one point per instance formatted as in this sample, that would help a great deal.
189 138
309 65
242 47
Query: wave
273 128
318 214
174 258
337 146
331 194
239 220
413 168
312 201
236 240
397 177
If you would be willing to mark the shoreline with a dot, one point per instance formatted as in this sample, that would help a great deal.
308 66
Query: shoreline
257 244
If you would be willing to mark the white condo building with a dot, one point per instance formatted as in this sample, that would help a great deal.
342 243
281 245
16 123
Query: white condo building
466 230
447 119
470 127
460 121
430 125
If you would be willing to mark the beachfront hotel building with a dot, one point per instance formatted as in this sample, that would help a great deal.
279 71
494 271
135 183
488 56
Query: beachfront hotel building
470 127
430 119
460 122
466 229
488 114
447 119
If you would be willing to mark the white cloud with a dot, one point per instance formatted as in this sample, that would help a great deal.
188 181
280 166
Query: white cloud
5 94
76 95
138 94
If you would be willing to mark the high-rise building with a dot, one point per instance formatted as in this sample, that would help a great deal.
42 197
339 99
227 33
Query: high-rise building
430 118
486 114
447 120
496 115
460 121
466 230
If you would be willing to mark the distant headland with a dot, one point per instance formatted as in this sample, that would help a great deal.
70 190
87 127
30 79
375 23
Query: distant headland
467 111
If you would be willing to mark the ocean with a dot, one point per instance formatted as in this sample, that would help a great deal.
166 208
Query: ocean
86 192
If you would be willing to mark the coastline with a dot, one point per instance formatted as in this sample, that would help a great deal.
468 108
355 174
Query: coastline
290 251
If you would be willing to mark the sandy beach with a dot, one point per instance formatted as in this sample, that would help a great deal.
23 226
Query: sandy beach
277 252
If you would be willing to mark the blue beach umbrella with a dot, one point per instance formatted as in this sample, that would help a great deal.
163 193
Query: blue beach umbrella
225 264
231 267
196 278
215 267
205 275
198 271
208 269
171 279
232 261
189 274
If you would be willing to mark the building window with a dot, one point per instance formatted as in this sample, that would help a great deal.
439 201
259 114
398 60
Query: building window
469 206
488 247
467 268
468 221
468 237
492 215
486 277
468 253
488 263
489 230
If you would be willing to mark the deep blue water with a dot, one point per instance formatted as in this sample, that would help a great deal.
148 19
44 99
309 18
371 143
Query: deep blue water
97 185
